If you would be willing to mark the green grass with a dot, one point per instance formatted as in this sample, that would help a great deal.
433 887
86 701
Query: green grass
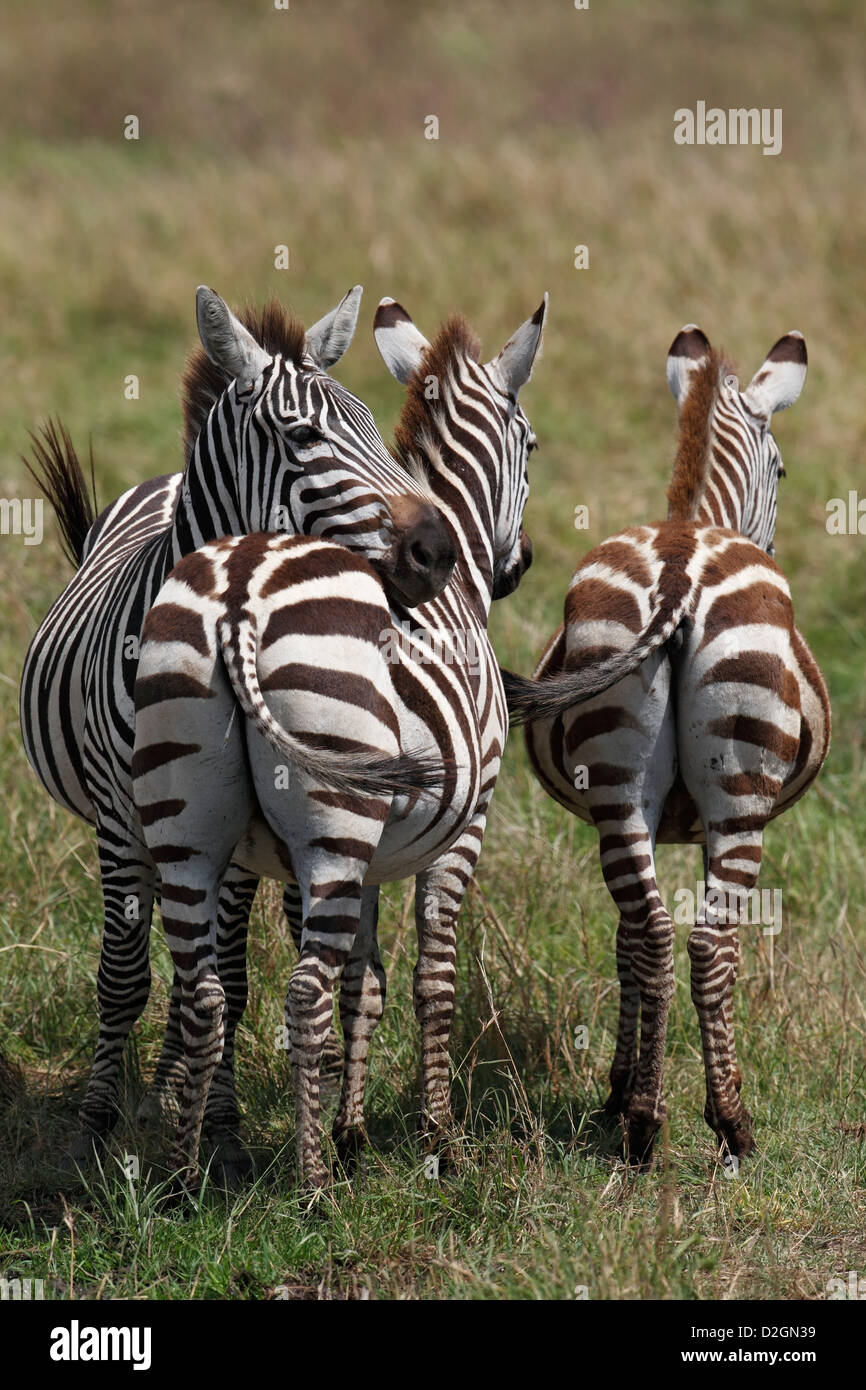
556 129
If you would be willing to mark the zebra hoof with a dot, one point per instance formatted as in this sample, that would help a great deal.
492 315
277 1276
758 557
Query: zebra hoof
351 1145
640 1137
637 1162
179 1195
183 1185
231 1166
619 1099
313 1183
738 1138
442 1153
85 1154
616 1105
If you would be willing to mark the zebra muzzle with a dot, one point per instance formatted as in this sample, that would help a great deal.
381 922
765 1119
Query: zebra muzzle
421 560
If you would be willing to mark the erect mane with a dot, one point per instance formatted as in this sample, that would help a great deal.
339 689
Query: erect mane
273 326
690 465
454 340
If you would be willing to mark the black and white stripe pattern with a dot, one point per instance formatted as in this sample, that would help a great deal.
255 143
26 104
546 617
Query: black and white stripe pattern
282 446
301 631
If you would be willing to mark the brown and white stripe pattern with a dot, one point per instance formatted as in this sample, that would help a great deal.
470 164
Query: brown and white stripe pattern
721 726
300 624
305 774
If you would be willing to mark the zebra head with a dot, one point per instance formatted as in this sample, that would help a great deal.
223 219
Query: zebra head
462 421
276 444
728 463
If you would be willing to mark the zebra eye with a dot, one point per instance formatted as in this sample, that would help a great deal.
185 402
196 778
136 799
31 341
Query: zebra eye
302 435
732 383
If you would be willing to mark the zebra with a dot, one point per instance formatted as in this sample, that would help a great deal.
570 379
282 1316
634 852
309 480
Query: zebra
272 442
405 351
301 639
308 622
722 725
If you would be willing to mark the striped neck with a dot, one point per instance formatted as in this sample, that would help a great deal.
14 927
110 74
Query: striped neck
208 505
727 468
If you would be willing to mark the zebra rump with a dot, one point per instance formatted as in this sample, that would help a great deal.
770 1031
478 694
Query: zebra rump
549 698
360 771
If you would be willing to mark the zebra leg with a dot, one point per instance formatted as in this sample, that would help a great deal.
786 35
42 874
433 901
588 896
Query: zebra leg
332 1054
733 865
438 894
163 1099
362 1003
231 1161
625 741
189 913
735 1075
645 940
622 1071
122 982
330 928
652 958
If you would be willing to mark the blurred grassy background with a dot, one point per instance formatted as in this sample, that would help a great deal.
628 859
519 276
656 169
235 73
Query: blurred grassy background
306 127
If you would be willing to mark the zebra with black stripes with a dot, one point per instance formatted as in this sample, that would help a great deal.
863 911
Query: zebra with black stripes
261 625
722 725
272 443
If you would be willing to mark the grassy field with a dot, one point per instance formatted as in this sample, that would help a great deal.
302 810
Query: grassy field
306 128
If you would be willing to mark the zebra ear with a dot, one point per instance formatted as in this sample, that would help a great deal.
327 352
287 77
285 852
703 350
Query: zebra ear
328 339
398 340
778 383
514 364
226 341
688 351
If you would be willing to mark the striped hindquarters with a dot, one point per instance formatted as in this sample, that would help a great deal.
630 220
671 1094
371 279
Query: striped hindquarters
742 672
298 626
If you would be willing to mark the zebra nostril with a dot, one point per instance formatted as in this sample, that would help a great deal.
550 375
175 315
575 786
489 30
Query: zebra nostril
420 555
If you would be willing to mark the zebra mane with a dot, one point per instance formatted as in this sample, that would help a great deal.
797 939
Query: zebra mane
202 383
693 447
415 432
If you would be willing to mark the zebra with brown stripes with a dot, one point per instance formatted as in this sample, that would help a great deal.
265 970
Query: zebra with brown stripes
205 788
272 443
721 727
300 782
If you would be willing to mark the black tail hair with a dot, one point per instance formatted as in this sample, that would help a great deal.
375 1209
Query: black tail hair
57 471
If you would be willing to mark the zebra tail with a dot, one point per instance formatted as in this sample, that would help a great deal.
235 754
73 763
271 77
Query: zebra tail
529 699
355 773
58 473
